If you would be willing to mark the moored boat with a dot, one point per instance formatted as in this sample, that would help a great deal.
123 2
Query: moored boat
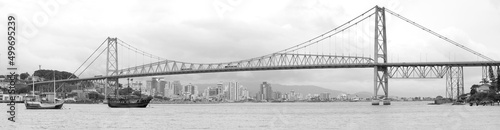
129 103
34 102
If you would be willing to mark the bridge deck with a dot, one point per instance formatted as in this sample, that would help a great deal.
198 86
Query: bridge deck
369 65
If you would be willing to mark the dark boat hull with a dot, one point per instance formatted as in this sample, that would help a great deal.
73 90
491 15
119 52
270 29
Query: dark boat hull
33 105
127 104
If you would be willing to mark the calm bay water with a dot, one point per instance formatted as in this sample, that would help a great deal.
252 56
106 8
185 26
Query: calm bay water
335 115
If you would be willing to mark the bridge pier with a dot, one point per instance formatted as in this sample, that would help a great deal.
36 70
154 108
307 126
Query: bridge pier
387 102
375 102
454 82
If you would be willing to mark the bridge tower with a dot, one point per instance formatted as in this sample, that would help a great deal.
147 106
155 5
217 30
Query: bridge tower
112 57
454 82
381 76
111 63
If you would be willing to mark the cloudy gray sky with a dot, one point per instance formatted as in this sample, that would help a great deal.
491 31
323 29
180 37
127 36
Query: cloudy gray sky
62 34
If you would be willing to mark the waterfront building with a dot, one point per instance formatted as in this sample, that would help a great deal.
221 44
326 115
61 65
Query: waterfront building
220 89
286 96
277 95
169 90
292 96
483 88
233 90
136 85
190 91
213 92
155 86
324 96
244 94
259 96
177 87
205 94
266 91
342 97
148 89
162 85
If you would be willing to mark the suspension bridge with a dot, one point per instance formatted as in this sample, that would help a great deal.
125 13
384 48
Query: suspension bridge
346 46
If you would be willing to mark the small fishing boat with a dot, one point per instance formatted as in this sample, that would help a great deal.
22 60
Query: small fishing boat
35 102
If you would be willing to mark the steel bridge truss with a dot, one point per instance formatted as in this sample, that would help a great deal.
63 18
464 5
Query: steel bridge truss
490 73
414 72
454 76
265 62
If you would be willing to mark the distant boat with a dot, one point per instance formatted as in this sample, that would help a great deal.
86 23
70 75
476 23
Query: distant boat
33 102
356 99
129 102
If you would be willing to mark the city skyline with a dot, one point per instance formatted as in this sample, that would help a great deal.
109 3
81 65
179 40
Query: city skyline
226 91
221 87
270 23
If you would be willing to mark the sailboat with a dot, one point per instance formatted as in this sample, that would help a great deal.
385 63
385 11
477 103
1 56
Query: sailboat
35 102
129 101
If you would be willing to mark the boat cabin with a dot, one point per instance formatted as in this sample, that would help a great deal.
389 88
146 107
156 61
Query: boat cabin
35 98
49 96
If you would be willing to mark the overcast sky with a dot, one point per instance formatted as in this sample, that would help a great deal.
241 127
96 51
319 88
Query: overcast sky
62 34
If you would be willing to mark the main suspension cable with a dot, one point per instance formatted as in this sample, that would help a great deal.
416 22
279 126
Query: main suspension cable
89 58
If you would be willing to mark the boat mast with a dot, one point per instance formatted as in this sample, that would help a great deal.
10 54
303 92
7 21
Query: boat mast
54 73
140 90
33 80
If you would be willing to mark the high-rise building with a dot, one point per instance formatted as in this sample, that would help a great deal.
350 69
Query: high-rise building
277 95
292 96
190 90
161 88
177 88
259 96
220 88
169 89
212 92
233 91
155 86
243 93
149 90
267 91
324 96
